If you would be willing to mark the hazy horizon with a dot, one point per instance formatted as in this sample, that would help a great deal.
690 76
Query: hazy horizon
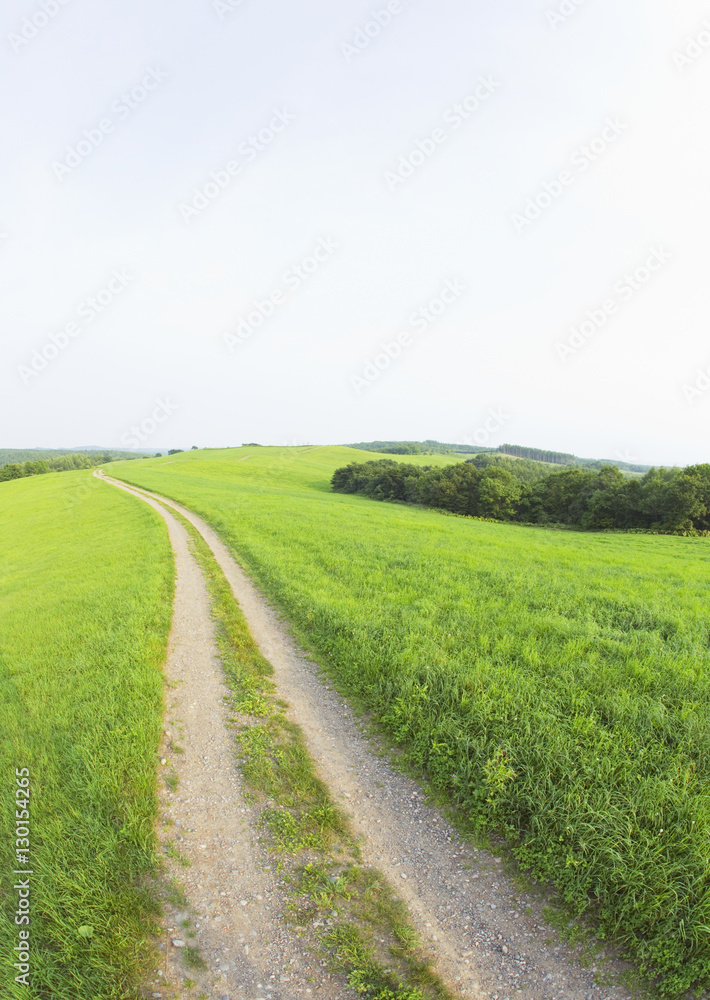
304 444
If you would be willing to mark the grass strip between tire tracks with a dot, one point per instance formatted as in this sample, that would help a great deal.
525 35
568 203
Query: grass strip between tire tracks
345 907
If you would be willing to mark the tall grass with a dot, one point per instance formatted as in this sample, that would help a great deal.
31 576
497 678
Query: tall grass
85 587
556 686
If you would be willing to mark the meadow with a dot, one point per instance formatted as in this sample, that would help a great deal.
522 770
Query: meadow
86 590
555 686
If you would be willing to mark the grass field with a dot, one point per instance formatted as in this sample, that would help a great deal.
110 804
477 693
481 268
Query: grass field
554 685
86 587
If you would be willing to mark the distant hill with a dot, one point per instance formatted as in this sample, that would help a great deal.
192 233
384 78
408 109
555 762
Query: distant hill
510 450
12 455
419 448
562 458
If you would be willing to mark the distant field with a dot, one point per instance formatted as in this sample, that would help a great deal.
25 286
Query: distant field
555 685
85 586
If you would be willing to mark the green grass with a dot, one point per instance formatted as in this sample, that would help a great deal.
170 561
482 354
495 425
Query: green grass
86 588
555 686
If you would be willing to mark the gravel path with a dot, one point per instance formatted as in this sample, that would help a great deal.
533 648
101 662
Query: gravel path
489 938
233 904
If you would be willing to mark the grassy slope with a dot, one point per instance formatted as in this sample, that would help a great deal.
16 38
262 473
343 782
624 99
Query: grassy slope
86 583
555 684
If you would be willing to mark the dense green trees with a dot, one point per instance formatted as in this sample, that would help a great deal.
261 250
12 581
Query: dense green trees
525 470
62 463
539 454
667 500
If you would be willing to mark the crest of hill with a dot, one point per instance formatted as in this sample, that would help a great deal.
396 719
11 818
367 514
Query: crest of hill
543 456
418 448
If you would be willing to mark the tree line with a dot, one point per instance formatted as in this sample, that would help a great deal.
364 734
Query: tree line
563 458
673 501
526 470
539 454
62 463
417 448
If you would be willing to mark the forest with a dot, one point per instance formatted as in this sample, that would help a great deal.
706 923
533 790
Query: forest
670 501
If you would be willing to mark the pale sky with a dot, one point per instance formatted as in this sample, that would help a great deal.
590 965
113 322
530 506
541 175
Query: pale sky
258 196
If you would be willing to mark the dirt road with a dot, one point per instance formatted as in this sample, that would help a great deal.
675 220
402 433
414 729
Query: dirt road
489 938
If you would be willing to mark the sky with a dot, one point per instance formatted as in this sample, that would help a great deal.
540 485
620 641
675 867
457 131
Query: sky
319 223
